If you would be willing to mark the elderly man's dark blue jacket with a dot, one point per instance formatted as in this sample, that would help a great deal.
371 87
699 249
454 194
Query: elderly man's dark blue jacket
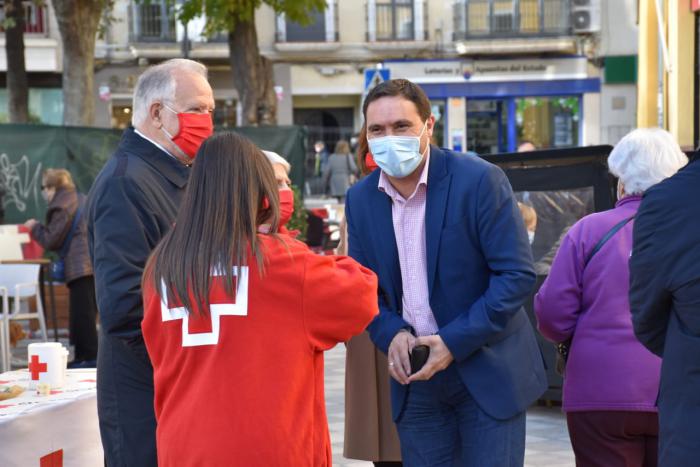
665 304
131 205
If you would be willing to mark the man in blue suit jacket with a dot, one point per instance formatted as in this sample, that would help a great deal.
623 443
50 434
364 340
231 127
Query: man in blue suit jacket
443 232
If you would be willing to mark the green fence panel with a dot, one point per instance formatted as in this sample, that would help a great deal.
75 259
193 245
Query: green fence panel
26 150
289 142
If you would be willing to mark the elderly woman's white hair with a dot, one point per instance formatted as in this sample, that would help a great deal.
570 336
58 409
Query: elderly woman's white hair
275 158
644 157
158 83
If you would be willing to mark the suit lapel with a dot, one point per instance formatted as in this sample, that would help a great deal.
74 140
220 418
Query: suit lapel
385 240
438 190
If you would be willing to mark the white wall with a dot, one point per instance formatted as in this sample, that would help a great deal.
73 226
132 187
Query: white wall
619 36
283 77
591 119
618 111
619 31
119 29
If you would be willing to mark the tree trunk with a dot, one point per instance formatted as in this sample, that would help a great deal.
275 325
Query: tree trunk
252 75
17 86
78 21
267 97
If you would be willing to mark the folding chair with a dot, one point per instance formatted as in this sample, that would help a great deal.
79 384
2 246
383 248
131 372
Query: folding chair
19 282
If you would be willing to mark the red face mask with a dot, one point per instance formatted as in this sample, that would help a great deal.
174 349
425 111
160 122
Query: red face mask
369 162
194 129
286 205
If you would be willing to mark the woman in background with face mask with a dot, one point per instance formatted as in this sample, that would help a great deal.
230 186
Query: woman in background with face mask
282 168
65 232
370 433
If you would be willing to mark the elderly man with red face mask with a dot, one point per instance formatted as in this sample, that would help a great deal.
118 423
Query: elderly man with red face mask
131 206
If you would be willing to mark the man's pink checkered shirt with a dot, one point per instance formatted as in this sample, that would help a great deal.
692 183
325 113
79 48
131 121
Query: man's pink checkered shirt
408 216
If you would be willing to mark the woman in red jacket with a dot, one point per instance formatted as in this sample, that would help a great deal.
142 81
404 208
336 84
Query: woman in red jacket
236 321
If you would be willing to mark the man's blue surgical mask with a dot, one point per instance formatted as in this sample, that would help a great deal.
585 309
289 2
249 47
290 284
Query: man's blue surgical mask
397 156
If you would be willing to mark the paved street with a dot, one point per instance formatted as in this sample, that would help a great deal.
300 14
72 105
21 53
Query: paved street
547 442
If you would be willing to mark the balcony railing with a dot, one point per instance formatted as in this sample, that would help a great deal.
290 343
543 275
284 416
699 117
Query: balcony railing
480 19
35 18
395 20
152 22
322 28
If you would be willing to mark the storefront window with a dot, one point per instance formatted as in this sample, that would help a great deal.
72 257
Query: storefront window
549 122
45 106
487 122
121 115
438 109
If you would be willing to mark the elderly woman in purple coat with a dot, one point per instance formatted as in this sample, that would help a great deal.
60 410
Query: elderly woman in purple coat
611 380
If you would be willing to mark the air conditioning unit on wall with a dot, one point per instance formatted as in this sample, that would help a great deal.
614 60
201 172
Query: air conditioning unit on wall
585 16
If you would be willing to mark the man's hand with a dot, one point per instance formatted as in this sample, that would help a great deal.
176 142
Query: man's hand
440 358
399 351
31 223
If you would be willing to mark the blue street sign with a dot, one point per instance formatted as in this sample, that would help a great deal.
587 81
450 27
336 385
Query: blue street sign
374 76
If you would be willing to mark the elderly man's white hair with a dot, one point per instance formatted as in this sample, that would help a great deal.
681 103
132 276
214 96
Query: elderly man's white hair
158 83
644 157
275 158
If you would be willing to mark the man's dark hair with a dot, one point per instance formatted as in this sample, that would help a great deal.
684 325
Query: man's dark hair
403 88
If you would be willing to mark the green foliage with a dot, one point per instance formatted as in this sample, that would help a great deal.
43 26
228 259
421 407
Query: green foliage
107 19
224 15
566 103
7 23
33 118
298 220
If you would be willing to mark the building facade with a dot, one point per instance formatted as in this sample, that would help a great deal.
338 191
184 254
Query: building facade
668 68
557 73
43 61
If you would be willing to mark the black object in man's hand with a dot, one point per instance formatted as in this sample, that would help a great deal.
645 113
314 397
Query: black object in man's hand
419 355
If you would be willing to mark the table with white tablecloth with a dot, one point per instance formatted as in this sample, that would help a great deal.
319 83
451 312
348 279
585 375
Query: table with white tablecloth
59 429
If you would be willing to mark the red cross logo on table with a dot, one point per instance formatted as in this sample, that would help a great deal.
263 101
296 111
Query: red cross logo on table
54 459
220 304
35 367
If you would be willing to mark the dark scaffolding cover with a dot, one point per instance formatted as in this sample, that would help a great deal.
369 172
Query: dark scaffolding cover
561 186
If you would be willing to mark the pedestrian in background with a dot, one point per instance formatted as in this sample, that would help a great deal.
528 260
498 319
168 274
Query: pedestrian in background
611 380
530 219
281 167
370 433
320 157
65 232
340 172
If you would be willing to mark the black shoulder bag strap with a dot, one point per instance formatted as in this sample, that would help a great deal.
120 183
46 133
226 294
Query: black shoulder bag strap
616 228
563 347
76 219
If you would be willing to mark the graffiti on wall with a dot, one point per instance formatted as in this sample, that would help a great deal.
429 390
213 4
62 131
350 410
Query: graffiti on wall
20 181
